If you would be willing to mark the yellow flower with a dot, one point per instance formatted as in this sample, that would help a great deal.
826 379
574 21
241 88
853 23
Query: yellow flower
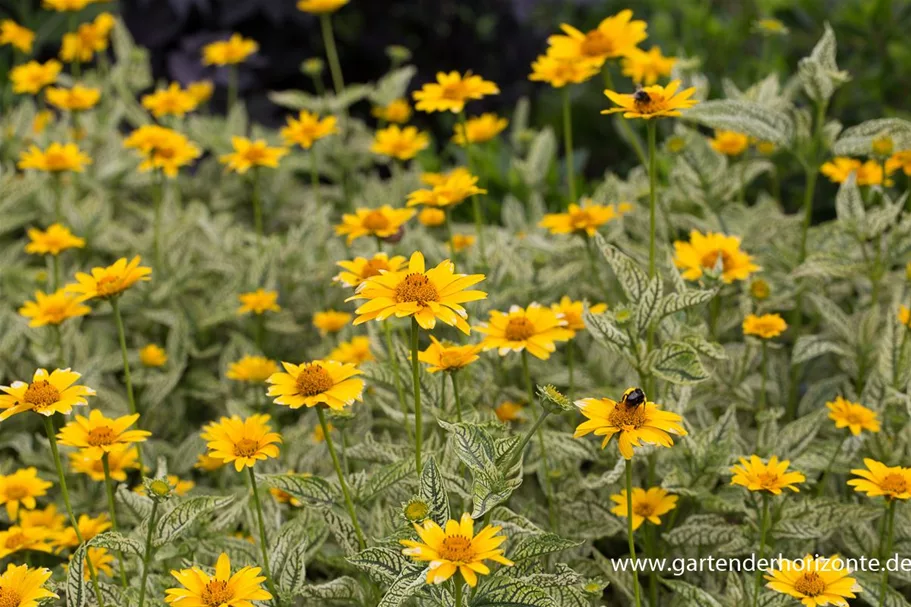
508 411
320 6
766 148
20 489
451 91
96 434
319 382
653 101
771 477
251 369
534 328
66 5
615 36
647 504
259 301
383 222
815 581
449 190
585 218
354 352
162 149
899 160
397 111
866 173
101 561
330 321
854 416
403 144
425 295
52 309
766 326
206 462
109 282
634 423
647 67
760 289
839 168
308 128
223 589
229 52
76 99
172 101
882 146
242 441
360 269
771 27
706 252
15 35
31 77
283 497
90 38
16 539
560 71
24 587
88 528
248 154
460 242
893 483
57 158
730 143
455 547
153 355
48 393
175 484
432 217
201 90
480 129
571 311
48 518
119 462
448 357
904 316
41 120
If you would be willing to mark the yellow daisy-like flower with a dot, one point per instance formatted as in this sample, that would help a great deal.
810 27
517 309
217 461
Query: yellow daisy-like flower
360 269
229 52
432 217
772 477
560 71
24 587
30 78
480 129
706 252
119 463
153 355
101 561
88 528
866 173
402 144
320 382
635 422
535 328
206 462
162 149
653 101
817 582
259 301
308 128
177 485
508 411
19 490
585 218
451 91
96 434
76 99
571 311
66 5
17 36
331 321
52 309
904 315
57 158
398 111
48 393
425 295
354 352
251 369
283 497
248 154
224 589
455 547
382 222
460 242
201 90
19 539
730 143
839 168
853 416
648 505
109 282
172 101
615 36
48 517
320 6
647 67
449 190
899 160
54 240
242 441
89 38
448 357
893 483
766 326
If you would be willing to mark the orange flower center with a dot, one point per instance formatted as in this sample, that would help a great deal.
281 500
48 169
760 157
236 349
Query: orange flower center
245 447
313 380
216 593
810 584
41 394
376 220
16 540
519 329
108 285
627 417
457 548
581 218
894 484
451 358
55 313
454 92
57 161
416 288
102 435
16 492
256 154
596 44
711 258
373 267
648 103
644 509
767 479
9 597
854 418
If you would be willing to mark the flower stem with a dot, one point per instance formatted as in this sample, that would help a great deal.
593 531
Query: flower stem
458 398
263 542
387 330
416 381
629 529
148 554
52 439
476 209
121 336
568 144
570 357
763 529
58 340
886 540
349 504
763 366
537 430
257 210
109 489
55 262
314 177
624 124
652 178
457 590
156 229
335 67
233 77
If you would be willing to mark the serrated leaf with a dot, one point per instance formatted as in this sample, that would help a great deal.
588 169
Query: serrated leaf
381 479
680 301
340 589
433 490
647 305
808 347
173 524
403 588
605 331
849 206
474 446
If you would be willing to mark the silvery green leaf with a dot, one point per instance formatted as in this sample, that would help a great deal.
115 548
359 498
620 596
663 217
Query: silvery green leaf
871 591
386 563
647 305
433 489
474 446
849 206
819 73
808 347
680 301
796 436
392 86
541 154
533 546
491 489
677 363
858 140
115 541
403 588
604 330
502 591
176 522
343 589
693 595
747 117
633 279
310 489
75 579
385 477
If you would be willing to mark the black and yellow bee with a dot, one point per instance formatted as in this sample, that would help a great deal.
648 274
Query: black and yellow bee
640 96
632 398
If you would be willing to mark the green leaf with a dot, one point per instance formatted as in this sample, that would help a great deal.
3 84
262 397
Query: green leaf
113 540
501 591
680 301
474 446
858 140
387 563
677 363
173 524
604 330
537 545
139 506
648 304
633 280
345 589
849 206
808 347
490 490
393 85
819 73
383 478
703 530
403 588
794 438
433 490
312 490
75 579
871 594
541 154
747 117
693 595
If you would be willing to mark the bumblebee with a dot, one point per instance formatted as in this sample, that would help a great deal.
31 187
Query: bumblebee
640 96
633 397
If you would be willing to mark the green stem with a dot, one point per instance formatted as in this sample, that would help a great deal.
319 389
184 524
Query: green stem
568 145
538 430
624 124
121 336
629 530
887 540
335 67
233 77
569 363
314 177
416 382
457 590
458 398
109 489
763 366
263 542
652 178
387 330
257 210
533 431
156 230
349 504
55 262
593 262
58 198
476 209
147 556
58 339
763 529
